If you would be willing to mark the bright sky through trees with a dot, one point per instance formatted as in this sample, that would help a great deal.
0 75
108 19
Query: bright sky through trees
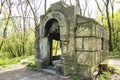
92 7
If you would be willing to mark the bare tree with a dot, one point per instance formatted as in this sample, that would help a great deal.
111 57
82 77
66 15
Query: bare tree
112 8
37 24
45 5
78 4
109 24
6 24
70 2
112 22
100 10
34 14
2 3
85 8
89 12
24 18
107 3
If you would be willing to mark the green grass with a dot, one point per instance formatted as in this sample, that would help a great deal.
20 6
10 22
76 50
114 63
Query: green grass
114 54
105 76
5 62
31 63
116 69
75 77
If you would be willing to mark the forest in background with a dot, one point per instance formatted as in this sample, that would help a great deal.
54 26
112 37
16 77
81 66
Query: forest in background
19 20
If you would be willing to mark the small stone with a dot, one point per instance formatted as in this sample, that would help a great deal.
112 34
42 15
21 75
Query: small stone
24 61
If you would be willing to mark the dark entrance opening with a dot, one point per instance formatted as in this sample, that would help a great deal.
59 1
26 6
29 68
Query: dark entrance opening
52 32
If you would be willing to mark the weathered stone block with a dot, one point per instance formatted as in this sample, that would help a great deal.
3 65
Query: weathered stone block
106 44
84 30
93 29
93 44
86 70
103 55
84 20
79 43
89 43
99 31
66 70
98 59
98 44
57 6
43 46
69 12
86 58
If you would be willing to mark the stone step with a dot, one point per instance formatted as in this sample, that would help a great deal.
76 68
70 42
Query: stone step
49 70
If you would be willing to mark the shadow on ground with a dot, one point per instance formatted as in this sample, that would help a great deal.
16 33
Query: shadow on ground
21 72
25 74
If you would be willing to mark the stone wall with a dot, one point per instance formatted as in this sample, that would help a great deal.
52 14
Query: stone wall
91 44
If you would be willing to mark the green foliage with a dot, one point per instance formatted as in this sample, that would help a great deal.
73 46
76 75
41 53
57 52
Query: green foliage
56 46
115 68
31 63
4 62
17 45
75 77
116 52
116 32
115 23
105 76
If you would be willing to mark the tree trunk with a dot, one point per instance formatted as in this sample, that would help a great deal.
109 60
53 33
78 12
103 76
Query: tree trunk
45 5
109 27
6 25
78 5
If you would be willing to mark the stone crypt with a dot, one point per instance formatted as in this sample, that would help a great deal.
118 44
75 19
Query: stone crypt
83 42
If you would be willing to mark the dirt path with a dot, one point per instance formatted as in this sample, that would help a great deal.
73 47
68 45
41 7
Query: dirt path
115 62
21 72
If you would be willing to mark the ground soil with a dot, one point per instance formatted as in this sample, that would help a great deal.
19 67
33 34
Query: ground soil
115 62
21 72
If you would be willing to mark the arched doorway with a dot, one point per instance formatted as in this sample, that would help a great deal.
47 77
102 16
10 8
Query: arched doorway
52 32
53 29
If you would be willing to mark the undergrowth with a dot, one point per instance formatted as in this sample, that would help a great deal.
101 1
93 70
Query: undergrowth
105 76
75 77
114 54
116 69
5 62
31 64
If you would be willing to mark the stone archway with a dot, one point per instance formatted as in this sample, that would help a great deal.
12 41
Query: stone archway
47 30
52 32
62 21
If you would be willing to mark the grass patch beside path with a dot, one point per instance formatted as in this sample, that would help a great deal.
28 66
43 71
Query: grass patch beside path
7 62
31 63
114 54
116 69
